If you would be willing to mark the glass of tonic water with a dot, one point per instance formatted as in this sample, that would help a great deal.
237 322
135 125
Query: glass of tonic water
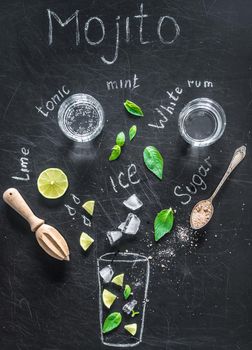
81 117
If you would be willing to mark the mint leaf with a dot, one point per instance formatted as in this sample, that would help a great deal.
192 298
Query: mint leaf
163 223
154 161
111 322
120 139
132 108
127 291
132 132
115 153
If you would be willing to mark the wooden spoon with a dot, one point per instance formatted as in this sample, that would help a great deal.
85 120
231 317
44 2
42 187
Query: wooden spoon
203 211
47 236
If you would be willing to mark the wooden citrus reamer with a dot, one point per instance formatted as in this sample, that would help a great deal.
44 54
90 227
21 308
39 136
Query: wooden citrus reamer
47 236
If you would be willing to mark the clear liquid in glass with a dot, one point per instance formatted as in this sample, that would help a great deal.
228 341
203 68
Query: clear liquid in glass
202 122
81 117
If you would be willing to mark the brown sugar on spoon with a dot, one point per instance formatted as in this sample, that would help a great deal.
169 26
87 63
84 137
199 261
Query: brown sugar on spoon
203 210
201 214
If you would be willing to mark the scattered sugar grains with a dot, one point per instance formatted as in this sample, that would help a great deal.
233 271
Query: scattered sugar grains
184 233
165 253
168 252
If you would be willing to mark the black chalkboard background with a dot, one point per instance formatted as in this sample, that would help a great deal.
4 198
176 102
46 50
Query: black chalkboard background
200 290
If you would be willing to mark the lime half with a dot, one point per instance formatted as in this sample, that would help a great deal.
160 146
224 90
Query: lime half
52 183
108 298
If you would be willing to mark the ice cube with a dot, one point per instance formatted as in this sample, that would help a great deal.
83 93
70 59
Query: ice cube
129 306
107 273
133 202
131 225
121 226
114 236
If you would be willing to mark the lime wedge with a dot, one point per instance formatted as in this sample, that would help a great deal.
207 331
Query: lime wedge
85 241
118 280
108 298
89 207
131 328
52 183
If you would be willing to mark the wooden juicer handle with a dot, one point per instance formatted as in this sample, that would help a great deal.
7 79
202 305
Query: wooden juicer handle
14 199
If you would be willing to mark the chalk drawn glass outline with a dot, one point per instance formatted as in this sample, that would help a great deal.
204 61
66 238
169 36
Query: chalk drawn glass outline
81 117
129 258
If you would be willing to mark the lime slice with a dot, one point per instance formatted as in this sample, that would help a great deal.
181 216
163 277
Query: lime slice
108 298
131 328
85 241
52 183
89 207
118 279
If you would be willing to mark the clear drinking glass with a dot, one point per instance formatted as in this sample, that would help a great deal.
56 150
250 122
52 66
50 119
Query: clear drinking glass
81 117
202 122
136 271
